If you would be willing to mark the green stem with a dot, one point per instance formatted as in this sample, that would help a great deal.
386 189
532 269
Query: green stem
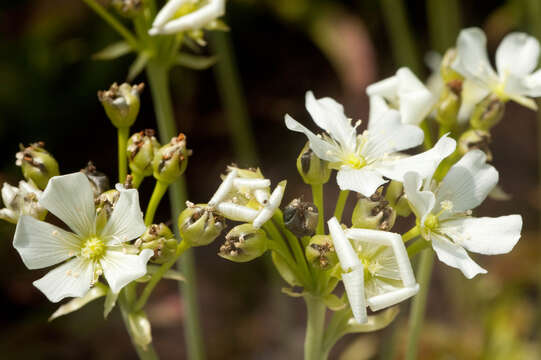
114 23
137 179
279 245
317 199
417 246
418 306
123 134
158 80
315 328
159 191
141 302
412 233
340 204
428 143
443 23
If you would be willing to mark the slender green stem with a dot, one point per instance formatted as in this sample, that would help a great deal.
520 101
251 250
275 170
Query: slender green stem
340 204
443 23
137 179
158 80
114 23
123 134
412 233
317 199
417 312
428 142
279 245
417 246
159 191
315 328
141 302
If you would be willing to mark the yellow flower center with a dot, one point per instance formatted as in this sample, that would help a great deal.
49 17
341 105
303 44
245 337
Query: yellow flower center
431 222
93 248
355 161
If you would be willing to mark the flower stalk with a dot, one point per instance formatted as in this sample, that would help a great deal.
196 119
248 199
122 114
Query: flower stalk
123 134
315 328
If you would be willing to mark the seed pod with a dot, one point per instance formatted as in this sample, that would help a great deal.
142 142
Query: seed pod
121 103
171 160
244 243
447 72
301 218
37 165
141 149
98 180
395 196
475 139
449 104
160 239
320 252
373 213
313 170
487 113
199 225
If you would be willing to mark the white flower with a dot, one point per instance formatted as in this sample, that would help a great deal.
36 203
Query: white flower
377 270
444 213
363 160
184 15
404 92
89 251
22 200
516 59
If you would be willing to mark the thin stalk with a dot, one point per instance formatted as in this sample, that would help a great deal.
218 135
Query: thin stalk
232 95
123 134
279 245
418 306
315 328
114 23
428 143
159 191
417 246
443 23
340 204
412 233
157 76
137 179
317 199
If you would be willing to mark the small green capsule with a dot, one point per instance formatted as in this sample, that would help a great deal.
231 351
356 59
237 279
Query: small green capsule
312 169
320 252
170 160
160 239
487 113
98 180
199 225
449 104
121 103
448 74
244 243
475 139
373 213
142 147
395 196
37 165
301 218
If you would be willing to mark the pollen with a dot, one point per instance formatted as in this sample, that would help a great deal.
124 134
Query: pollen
447 205
355 161
93 248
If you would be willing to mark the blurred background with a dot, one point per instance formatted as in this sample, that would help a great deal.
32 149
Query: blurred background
281 48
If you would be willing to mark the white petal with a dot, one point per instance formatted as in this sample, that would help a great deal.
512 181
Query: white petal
424 163
354 285
41 244
236 212
378 107
533 83
225 187
8 194
416 100
126 221
518 54
323 149
347 256
194 20
274 202
468 182
383 301
421 202
472 94
251 184
120 269
71 279
455 256
486 235
168 11
472 60
388 88
71 199
363 181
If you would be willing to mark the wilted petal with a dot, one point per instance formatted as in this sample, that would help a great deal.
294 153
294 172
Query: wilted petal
378 107
354 285
323 149
517 54
455 256
472 94
388 88
421 202
120 269
126 221
347 256
391 298
364 181
192 21
415 99
168 11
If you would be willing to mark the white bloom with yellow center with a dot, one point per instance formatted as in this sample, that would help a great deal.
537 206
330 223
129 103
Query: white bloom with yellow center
88 251
363 160
443 213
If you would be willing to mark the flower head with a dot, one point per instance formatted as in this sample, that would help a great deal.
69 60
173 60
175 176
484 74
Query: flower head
443 213
87 251
22 200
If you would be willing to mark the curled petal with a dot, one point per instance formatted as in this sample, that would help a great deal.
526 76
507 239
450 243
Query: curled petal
455 256
354 285
322 148
347 256
225 187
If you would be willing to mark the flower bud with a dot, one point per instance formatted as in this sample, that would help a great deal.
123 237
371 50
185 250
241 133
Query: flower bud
475 139
171 160
128 8
449 104
320 252
487 113
373 213
395 196
142 147
446 69
98 180
199 225
37 165
160 239
121 103
301 218
244 243
313 170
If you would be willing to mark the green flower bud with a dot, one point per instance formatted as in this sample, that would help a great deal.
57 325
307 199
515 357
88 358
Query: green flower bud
395 196
320 252
301 218
475 139
171 160
487 113
244 243
121 103
160 239
313 170
373 213
37 165
449 103
98 180
199 225
128 8
142 147
446 70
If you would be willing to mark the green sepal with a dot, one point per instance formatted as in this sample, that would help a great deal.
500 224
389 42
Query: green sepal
94 293
140 328
195 62
110 302
291 292
284 270
113 51
334 303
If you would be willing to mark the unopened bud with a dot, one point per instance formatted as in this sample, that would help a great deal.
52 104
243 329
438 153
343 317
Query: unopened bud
244 243
142 147
128 8
446 70
98 180
320 252
449 103
475 139
171 160
160 239
200 225
395 196
487 113
313 170
301 218
37 165
121 103
373 213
